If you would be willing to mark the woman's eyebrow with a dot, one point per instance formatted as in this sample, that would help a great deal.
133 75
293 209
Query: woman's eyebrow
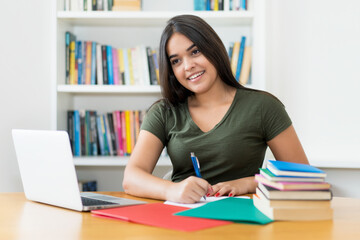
188 49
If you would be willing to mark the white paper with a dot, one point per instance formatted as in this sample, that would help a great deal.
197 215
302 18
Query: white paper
201 202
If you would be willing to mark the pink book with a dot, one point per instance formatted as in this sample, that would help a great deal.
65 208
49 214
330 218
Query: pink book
291 186
115 66
123 131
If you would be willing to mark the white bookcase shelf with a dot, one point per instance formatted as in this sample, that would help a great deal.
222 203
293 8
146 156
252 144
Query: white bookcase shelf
112 161
104 89
152 18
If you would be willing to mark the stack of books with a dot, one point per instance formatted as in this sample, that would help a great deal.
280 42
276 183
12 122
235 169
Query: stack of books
293 192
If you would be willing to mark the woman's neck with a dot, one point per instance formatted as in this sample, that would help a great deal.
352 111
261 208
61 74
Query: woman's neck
219 95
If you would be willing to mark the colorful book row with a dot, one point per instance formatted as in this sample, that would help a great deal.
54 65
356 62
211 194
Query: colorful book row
91 63
240 59
107 134
102 5
220 5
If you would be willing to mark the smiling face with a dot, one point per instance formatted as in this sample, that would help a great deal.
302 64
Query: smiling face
190 66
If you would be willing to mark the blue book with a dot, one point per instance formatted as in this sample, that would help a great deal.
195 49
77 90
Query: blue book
109 65
199 5
281 168
208 5
240 58
93 63
77 133
79 60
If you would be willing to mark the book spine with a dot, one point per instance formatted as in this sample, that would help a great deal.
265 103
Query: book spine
79 61
123 132
77 141
119 132
72 62
121 66
99 65
130 62
235 57
155 59
240 59
67 58
109 65
246 66
128 132
104 135
112 133
87 134
93 63
126 65
152 73
88 63
115 66
93 134
104 64
144 66
108 134
100 135
82 132
70 129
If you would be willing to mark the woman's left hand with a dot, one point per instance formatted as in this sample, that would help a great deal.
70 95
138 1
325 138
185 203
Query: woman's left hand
235 187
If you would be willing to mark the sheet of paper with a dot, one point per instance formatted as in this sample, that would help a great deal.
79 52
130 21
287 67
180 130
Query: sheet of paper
202 201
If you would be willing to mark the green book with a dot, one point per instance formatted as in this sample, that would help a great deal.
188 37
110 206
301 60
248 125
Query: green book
237 210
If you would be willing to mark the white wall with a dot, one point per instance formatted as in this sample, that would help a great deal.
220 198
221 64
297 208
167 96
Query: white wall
25 73
313 66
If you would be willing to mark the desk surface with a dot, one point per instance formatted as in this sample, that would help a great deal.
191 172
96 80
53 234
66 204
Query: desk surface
22 219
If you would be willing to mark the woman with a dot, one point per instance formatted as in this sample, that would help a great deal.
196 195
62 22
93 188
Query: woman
206 111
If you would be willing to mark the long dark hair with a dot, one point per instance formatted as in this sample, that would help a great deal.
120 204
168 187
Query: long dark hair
209 44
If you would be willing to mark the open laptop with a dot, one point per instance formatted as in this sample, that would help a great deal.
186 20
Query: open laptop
48 173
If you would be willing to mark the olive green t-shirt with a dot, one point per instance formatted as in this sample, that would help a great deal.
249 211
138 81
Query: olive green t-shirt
233 149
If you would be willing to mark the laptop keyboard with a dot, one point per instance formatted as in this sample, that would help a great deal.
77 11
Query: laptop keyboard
95 202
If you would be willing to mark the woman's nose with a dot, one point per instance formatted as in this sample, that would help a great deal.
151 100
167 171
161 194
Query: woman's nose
188 64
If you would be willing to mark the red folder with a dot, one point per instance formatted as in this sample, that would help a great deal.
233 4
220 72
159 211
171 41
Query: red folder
159 215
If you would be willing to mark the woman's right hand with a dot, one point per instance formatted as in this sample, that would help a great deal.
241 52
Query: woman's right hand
190 190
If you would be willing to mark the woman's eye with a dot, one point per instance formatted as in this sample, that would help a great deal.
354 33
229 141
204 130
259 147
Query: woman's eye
175 61
195 51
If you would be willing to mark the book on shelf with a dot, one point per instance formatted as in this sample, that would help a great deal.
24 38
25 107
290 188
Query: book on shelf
246 66
266 173
240 58
289 186
220 5
293 213
102 5
105 134
281 168
89 62
273 193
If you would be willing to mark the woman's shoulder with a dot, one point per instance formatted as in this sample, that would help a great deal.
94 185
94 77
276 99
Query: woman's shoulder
258 96
163 106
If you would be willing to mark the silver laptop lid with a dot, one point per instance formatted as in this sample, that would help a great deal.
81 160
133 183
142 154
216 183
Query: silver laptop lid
46 167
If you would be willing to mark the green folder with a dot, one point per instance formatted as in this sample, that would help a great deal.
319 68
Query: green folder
239 210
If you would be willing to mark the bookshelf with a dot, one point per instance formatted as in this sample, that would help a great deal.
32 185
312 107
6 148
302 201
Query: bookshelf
130 29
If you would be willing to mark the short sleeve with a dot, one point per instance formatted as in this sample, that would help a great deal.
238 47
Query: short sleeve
274 117
154 121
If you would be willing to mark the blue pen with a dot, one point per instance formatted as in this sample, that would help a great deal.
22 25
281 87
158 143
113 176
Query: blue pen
196 165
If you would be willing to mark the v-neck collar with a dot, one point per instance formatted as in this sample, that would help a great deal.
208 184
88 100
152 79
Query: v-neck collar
219 123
